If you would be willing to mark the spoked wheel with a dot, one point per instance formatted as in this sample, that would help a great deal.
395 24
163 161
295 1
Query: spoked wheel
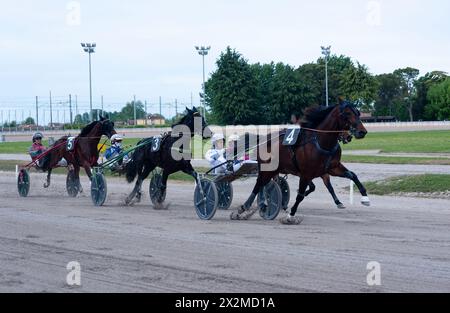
225 193
98 188
285 191
157 195
206 202
23 183
270 200
72 184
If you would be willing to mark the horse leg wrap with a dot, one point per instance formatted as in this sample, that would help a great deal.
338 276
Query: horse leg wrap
288 219
245 211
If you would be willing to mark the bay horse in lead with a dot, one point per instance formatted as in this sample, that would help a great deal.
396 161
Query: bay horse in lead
315 153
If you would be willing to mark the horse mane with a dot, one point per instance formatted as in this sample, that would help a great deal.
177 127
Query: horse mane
60 140
180 122
87 129
314 115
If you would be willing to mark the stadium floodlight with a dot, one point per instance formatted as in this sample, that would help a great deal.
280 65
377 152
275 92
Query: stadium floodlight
203 51
326 52
89 48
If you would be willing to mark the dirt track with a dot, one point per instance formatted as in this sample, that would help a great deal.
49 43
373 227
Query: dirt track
139 249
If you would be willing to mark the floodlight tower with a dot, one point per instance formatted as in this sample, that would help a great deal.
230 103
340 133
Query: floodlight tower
203 51
89 48
326 52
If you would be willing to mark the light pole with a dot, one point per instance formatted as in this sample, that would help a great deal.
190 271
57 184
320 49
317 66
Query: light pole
326 52
203 51
89 48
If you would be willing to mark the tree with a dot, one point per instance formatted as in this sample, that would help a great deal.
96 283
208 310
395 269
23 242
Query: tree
311 76
78 120
263 74
337 66
29 121
438 107
388 91
86 118
127 112
408 78
231 92
423 84
359 86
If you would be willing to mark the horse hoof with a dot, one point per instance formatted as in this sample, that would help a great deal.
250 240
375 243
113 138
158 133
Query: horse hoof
235 216
160 206
46 185
248 213
291 220
365 201
128 202
340 206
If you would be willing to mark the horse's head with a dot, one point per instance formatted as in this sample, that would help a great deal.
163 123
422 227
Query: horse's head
196 123
349 119
107 127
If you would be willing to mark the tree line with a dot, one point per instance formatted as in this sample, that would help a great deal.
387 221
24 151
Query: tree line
242 93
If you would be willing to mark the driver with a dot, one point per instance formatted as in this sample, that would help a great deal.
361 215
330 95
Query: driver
115 150
216 155
37 148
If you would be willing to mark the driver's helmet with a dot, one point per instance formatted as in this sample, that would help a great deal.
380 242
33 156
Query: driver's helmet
216 137
37 136
116 139
233 138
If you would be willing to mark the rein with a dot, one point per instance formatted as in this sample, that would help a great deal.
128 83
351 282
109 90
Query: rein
324 131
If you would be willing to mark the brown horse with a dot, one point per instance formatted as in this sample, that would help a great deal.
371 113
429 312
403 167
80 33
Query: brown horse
316 153
84 152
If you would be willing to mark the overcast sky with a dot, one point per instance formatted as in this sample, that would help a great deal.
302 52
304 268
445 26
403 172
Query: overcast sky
147 47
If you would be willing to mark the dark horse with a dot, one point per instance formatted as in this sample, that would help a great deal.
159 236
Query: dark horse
84 152
316 153
145 159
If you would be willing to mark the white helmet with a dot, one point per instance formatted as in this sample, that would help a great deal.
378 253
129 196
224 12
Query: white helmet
233 137
115 137
217 137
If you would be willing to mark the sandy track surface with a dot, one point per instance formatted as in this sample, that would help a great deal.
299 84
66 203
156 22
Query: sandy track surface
138 249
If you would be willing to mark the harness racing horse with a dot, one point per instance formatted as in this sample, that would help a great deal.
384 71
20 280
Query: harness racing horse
84 151
145 159
316 153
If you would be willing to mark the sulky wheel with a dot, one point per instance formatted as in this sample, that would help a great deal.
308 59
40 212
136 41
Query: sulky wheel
206 202
23 183
72 184
98 188
157 194
270 200
285 191
225 193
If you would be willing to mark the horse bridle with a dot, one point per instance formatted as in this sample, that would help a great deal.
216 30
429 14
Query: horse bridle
353 126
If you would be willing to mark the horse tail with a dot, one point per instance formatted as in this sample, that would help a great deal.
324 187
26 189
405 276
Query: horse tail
131 170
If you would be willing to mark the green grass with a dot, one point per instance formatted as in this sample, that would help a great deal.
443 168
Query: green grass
393 160
414 183
414 141
17 147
